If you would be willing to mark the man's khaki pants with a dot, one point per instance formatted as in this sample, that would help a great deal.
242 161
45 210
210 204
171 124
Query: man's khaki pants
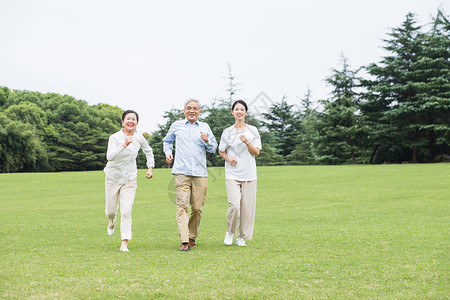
190 190
126 193
242 203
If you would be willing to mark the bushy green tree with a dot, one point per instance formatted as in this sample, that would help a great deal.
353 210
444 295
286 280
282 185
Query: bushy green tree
4 94
29 113
71 134
20 148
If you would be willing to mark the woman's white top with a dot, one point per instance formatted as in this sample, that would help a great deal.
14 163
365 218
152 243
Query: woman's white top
121 165
245 169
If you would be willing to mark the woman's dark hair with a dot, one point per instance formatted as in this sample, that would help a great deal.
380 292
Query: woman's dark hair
241 102
130 112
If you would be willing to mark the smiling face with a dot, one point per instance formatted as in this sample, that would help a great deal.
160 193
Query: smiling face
239 112
192 111
130 122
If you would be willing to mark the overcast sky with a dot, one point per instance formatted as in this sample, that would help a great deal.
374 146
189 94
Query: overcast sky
152 55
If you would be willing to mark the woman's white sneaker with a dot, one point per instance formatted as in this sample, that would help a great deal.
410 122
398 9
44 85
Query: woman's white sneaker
240 242
111 231
228 239
113 225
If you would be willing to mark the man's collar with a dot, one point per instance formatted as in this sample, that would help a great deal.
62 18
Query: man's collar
187 121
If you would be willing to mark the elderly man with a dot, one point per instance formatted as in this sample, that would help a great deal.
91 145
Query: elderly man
192 138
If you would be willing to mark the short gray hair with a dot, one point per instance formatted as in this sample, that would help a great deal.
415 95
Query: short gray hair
192 100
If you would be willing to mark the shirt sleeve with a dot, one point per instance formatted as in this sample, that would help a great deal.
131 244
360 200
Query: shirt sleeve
168 140
257 142
223 145
211 145
114 148
148 152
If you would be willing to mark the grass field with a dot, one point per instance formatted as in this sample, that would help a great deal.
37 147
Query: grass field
321 232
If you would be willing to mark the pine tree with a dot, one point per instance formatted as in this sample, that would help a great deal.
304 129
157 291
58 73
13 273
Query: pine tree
393 93
338 129
283 122
432 108
303 154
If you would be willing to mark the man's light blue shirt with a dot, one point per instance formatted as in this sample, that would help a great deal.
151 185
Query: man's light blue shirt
190 152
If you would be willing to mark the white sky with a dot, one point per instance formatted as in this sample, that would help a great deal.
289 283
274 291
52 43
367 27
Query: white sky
152 55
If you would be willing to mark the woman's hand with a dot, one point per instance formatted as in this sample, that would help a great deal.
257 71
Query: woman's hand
252 149
149 173
243 139
128 140
233 161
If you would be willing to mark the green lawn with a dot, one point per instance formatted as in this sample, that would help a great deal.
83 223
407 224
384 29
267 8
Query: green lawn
321 232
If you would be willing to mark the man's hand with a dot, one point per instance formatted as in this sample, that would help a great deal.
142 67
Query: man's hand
204 137
169 159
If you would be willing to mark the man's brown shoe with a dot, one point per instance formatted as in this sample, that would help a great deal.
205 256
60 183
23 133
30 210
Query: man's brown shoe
185 247
192 243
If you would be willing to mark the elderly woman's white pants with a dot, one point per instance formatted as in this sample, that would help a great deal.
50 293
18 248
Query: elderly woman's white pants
125 192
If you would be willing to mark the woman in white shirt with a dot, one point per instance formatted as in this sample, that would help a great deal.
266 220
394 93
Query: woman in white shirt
239 145
121 173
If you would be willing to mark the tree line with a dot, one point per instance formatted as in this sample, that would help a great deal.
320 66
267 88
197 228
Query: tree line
399 111
391 111
52 132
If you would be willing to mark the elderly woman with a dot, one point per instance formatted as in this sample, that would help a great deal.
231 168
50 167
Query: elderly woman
239 145
121 173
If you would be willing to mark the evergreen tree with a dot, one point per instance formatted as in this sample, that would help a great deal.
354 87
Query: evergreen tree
218 116
432 107
283 121
393 100
155 140
303 154
269 155
338 128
